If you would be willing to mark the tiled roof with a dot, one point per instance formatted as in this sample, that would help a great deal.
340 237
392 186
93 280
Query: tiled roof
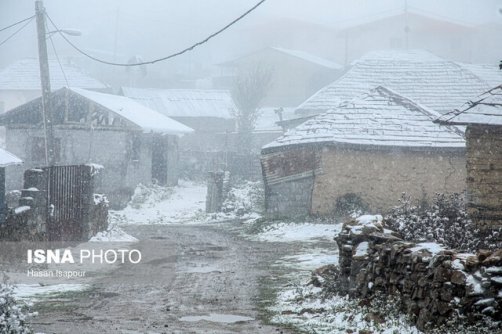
489 73
380 117
184 102
485 109
25 75
419 75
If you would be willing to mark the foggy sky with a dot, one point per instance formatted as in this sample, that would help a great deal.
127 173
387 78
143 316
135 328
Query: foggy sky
154 28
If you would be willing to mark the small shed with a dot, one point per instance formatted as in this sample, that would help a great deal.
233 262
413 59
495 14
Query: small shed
135 144
483 118
374 148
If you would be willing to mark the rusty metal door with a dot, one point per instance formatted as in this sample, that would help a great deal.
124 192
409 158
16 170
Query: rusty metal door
66 197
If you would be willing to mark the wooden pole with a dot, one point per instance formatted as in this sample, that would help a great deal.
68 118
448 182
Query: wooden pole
46 84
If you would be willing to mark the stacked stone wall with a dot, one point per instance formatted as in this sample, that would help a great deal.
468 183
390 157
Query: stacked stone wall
433 283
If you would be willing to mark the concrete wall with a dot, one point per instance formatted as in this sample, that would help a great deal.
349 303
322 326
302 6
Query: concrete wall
484 174
380 176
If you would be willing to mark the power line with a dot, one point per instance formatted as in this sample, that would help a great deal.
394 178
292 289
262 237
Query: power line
15 24
16 32
179 53
57 58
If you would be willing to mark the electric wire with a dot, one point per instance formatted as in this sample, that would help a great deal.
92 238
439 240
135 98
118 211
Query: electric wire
17 31
58 60
15 24
179 53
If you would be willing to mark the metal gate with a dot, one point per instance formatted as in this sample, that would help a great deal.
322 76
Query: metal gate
67 191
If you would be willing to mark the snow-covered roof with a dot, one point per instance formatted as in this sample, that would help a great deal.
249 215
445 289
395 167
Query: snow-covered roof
268 118
432 81
8 159
147 119
184 102
310 58
489 73
486 109
380 117
25 75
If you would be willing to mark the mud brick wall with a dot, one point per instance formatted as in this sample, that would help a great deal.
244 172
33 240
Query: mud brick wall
379 176
432 282
484 174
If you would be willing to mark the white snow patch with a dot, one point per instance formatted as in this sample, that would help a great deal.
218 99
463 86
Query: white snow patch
362 249
315 258
113 234
305 232
369 219
186 203
431 247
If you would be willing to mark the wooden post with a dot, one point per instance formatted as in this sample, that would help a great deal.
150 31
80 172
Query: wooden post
46 84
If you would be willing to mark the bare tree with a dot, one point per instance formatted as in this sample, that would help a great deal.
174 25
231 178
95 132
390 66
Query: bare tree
249 90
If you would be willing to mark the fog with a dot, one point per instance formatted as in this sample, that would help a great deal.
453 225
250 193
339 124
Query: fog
119 29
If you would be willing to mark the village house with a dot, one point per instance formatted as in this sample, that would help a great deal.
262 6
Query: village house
295 74
135 144
372 148
20 81
208 112
483 118
408 28
432 81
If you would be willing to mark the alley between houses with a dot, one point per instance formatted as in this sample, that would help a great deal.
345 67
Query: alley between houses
187 271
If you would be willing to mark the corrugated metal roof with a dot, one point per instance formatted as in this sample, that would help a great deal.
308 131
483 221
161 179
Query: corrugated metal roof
432 81
8 159
486 110
184 102
25 75
146 118
380 117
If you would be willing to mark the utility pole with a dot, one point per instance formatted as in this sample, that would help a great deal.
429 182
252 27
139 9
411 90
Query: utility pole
46 84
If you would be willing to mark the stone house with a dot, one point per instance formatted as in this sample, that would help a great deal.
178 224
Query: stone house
483 118
373 148
434 82
20 81
134 143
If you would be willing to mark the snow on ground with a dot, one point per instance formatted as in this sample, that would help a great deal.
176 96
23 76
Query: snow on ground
302 232
311 259
36 291
161 205
113 234
306 308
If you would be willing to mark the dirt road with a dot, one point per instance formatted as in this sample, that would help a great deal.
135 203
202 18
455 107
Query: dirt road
186 272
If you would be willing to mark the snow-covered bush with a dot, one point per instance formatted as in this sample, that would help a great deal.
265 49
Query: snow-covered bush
244 198
444 221
149 195
13 316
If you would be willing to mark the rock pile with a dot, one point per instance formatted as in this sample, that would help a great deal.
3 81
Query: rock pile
432 282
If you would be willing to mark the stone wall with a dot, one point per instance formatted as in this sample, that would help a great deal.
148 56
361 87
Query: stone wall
289 198
380 176
433 283
484 174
